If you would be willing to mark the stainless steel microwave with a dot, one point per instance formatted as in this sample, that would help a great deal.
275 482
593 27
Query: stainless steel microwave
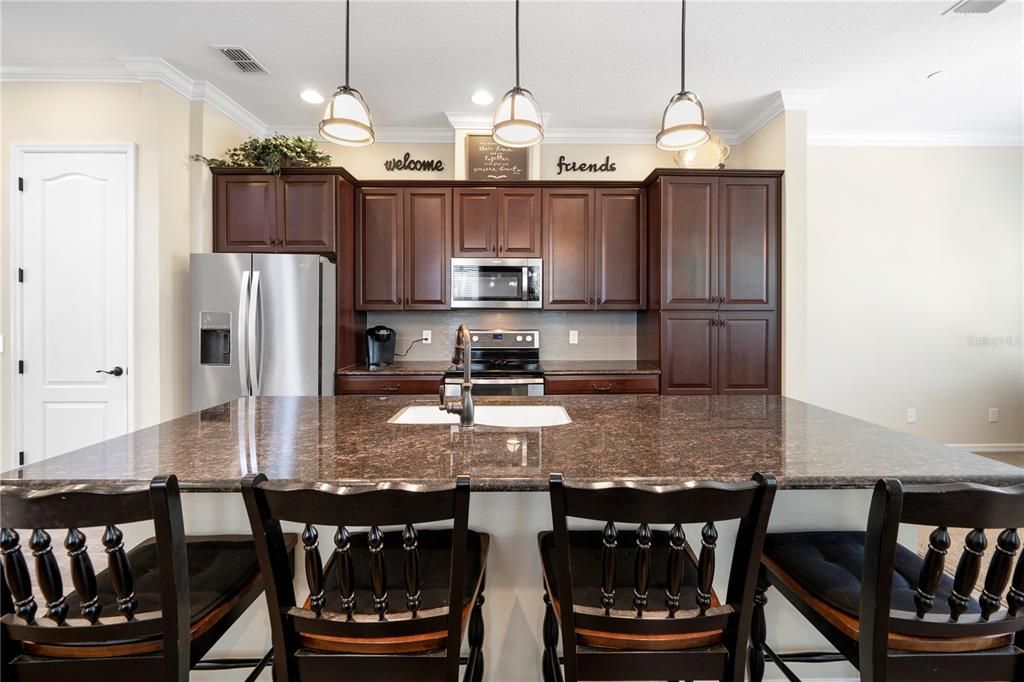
496 283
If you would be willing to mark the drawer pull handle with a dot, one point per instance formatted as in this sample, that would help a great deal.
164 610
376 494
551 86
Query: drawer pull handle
602 389
391 389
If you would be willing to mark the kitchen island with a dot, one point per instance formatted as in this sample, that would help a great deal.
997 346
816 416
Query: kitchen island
824 461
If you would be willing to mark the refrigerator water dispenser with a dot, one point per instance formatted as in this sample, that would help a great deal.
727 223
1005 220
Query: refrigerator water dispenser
215 339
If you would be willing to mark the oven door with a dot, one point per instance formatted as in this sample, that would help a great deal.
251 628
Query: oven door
496 283
505 386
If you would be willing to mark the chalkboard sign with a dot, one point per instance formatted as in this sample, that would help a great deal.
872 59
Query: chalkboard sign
488 160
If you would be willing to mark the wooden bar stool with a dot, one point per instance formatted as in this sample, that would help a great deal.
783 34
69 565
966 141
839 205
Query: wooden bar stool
381 607
919 623
153 613
640 603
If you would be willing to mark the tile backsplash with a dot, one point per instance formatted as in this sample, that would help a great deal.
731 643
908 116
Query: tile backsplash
604 335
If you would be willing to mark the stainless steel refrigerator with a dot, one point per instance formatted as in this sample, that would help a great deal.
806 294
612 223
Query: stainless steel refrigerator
260 324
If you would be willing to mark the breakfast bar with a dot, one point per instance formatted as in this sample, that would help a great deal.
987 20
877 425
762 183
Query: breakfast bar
824 463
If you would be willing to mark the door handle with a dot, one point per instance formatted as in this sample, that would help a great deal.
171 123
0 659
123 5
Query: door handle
243 353
117 371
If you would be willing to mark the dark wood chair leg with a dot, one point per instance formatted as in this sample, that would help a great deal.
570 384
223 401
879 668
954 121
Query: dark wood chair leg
552 671
475 664
758 632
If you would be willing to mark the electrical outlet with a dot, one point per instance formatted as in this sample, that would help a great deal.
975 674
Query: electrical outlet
426 337
993 415
574 336
911 415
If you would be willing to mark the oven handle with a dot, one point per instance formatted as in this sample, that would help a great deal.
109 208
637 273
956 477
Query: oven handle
496 382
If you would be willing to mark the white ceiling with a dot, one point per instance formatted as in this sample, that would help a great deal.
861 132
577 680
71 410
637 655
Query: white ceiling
591 65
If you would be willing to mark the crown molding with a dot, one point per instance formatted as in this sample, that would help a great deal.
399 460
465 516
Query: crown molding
772 108
219 100
67 72
866 138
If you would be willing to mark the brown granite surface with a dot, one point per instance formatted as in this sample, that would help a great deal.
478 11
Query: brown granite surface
656 439
599 367
399 368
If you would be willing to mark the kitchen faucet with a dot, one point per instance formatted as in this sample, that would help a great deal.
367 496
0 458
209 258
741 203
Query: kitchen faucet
463 354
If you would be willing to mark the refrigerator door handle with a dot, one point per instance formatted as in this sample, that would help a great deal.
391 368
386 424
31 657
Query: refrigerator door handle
243 356
254 300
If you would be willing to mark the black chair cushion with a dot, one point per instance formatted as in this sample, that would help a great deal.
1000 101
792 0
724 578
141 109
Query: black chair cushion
585 548
218 568
829 565
435 547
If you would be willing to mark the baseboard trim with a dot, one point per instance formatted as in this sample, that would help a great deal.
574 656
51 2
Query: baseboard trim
989 447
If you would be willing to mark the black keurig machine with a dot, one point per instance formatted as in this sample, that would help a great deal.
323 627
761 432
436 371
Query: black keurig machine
380 345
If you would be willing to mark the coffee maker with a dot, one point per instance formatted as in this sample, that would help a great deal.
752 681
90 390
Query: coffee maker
380 346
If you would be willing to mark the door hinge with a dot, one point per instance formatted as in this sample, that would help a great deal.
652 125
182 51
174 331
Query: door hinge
21 458
21 184
21 275
21 366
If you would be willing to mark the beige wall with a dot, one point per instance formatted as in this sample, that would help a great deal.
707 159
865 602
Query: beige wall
910 253
166 128
367 163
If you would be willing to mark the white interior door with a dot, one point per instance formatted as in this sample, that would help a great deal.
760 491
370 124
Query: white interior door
73 239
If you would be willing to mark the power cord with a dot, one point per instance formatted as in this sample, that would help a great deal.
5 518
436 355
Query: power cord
402 355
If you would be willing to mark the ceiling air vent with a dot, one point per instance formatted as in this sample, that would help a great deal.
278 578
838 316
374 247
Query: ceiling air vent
974 6
241 58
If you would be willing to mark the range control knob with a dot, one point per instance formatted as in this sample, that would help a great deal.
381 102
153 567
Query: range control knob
529 338
519 338
476 338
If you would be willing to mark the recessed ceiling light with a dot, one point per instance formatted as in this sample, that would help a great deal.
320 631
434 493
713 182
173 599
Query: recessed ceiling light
482 97
311 96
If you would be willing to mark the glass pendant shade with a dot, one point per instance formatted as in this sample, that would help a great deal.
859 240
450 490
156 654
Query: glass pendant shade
683 125
517 121
347 119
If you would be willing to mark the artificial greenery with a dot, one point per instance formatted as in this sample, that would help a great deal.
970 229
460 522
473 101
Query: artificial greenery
271 154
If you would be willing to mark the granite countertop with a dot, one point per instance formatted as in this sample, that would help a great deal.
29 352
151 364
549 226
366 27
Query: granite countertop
646 438
398 368
599 367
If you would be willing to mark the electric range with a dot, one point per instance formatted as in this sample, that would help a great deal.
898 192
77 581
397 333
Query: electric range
502 362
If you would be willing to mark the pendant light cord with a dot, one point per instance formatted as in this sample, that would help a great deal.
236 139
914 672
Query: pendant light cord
347 41
517 44
682 50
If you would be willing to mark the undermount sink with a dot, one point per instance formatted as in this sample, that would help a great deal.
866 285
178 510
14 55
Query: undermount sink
487 415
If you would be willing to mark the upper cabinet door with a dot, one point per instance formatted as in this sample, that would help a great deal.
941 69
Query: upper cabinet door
748 237
689 247
519 225
475 234
245 213
748 352
620 245
428 222
307 219
568 249
379 245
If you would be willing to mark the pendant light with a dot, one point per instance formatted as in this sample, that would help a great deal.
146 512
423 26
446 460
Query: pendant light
517 121
683 125
347 120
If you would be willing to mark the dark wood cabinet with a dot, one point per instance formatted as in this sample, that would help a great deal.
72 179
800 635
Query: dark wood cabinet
689 353
568 249
245 213
748 242
491 222
404 384
260 213
596 384
620 247
380 239
519 223
475 223
306 218
428 220
706 352
689 242
748 348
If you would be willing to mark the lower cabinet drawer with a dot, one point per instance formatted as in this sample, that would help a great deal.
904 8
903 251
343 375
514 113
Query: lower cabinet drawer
397 384
600 383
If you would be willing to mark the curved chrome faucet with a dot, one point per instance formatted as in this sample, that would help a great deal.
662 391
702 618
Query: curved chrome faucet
463 354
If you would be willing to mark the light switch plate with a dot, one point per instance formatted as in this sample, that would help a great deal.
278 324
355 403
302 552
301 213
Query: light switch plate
426 337
993 415
1 343
574 336
911 415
